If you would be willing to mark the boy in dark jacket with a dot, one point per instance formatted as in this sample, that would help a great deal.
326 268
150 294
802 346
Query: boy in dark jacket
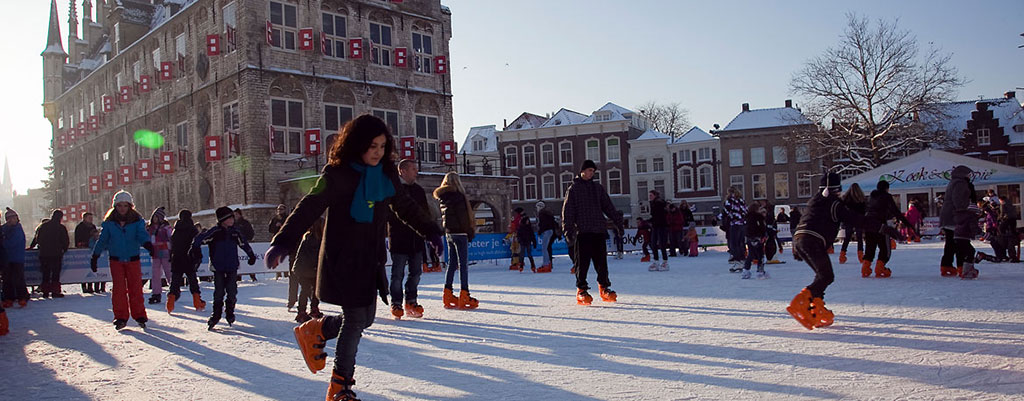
549 232
53 241
816 232
182 265
880 209
304 272
527 240
756 231
223 241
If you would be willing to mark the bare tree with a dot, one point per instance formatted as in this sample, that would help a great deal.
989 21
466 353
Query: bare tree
667 118
883 95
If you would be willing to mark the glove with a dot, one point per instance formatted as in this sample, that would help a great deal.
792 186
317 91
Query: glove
274 256
437 243
252 260
384 297
92 262
149 247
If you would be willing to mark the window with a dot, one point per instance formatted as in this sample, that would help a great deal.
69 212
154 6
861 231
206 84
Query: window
335 117
286 121
529 157
735 157
511 157
426 127
779 155
641 165
529 187
594 150
427 151
803 184
603 116
565 153
547 154
230 16
284 23
479 145
704 178
737 182
704 154
659 185
566 182
391 118
380 39
597 177
156 58
641 191
614 182
803 154
685 156
781 185
180 51
756 156
423 49
547 186
686 179
984 137
515 191
231 128
658 164
612 149
335 31
757 181
181 134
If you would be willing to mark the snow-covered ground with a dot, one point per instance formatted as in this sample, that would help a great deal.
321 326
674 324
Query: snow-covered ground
695 332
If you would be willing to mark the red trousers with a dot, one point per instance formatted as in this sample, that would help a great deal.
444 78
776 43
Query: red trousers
127 291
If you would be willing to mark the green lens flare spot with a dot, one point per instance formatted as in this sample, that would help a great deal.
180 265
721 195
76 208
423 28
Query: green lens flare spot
149 139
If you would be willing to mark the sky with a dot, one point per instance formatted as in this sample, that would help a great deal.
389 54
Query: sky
508 57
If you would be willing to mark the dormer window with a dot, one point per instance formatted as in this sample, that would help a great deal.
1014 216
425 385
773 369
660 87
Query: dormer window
558 122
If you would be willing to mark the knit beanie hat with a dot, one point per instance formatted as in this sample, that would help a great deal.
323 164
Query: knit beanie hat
122 196
832 181
10 213
588 164
224 213
159 212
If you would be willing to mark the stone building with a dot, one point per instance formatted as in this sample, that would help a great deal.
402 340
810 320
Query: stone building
682 168
242 96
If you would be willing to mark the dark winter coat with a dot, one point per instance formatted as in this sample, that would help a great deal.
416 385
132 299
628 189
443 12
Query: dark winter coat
880 209
404 240
308 257
782 217
546 221
245 228
643 230
824 215
736 209
52 238
83 234
659 213
857 207
586 207
957 198
351 270
1007 222
455 216
223 243
527 238
687 217
794 219
181 240
14 243
756 226
676 221
275 224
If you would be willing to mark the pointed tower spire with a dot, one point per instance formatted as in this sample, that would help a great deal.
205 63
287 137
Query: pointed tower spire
6 187
53 40
72 20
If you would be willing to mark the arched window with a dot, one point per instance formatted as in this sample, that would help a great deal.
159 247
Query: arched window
547 154
565 153
511 157
547 186
529 156
685 179
530 187
705 178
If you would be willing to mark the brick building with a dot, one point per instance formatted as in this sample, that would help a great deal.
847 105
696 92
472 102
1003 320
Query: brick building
989 129
242 93
759 161
682 168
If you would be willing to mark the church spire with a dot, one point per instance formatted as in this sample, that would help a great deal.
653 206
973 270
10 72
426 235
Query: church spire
72 21
53 40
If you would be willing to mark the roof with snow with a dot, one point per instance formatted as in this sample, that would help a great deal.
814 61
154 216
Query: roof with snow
488 133
651 134
526 121
616 113
1008 111
767 118
695 134
565 117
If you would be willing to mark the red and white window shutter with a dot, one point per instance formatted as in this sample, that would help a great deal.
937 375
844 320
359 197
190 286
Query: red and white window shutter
166 165
448 152
94 123
94 184
441 65
125 175
401 57
166 70
407 147
108 104
355 48
126 94
108 180
306 39
270 33
144 169
72 136
144 83
83 130
213 45
313 142
213 147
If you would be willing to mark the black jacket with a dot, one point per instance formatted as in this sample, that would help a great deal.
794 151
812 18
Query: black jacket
181 240
245 228
307 257
527 237
546 221
403 239
824 214
659 212
586 207
880 209
756 226
455 217
275 224
83 233
351 270
52 238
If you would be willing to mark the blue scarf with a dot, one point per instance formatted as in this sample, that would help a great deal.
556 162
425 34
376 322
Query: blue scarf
373 187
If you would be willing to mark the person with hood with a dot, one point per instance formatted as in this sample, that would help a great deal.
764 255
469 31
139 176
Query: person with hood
855 201
304 272
584 213
160 235
183 268
527 240
959 221
879 210
14 288
549 232
83 236
223 241
816 232
659 230
460 228
358 189
124 231
406 248
52 239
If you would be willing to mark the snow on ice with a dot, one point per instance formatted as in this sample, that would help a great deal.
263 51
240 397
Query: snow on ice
694 332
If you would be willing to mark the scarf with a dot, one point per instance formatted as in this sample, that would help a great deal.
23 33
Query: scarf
373 187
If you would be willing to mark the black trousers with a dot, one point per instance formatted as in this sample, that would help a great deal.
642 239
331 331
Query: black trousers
14 282
180 272
590 247
348 329
960 249
853 234
307 293
812 250
50 267
225 283
878 240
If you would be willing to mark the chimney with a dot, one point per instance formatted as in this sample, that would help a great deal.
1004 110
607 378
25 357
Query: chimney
504 124
789 103
1010 95
746 106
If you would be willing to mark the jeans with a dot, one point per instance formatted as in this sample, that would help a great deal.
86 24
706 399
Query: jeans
756 253
348 329
458 255
737 234
546 239
398 262
659 240
873 240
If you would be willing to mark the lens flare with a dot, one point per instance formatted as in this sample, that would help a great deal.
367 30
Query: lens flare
149 139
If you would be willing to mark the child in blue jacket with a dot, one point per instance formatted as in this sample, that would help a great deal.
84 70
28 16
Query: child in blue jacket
223 240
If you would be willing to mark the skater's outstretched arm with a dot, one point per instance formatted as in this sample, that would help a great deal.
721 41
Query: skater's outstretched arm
310 208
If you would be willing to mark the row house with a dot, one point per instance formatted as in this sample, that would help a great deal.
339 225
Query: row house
989 129
681 168
201 103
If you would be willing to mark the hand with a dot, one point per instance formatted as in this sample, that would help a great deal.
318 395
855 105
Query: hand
92 262
384 297
274 256
252 260
149 247
437 243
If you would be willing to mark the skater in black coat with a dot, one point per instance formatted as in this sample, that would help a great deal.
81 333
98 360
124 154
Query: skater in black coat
756 233
304 272
959 221
358 190
815 233
880 209
182 267
855 200
527 240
